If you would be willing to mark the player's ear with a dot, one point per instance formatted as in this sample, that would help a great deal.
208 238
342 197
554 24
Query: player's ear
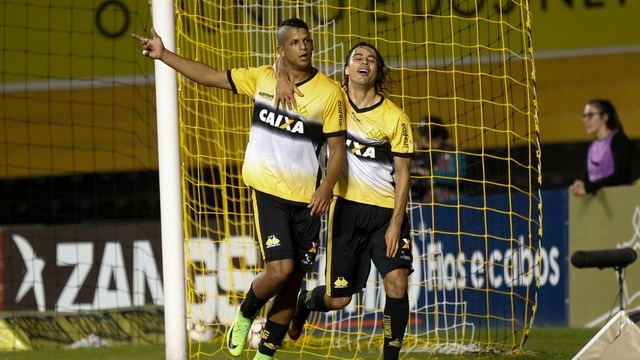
346 71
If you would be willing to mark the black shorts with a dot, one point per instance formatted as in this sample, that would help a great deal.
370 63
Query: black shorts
356 238
285 230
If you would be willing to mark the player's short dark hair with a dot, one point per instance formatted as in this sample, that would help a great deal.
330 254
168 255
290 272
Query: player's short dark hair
294 23
383 79
432 127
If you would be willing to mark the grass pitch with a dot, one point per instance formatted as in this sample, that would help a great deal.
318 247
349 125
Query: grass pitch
543 343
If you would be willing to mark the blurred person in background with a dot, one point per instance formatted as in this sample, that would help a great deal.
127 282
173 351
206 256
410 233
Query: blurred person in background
609 157
437 166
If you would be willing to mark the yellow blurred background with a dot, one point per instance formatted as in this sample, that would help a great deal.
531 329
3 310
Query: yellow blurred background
582 50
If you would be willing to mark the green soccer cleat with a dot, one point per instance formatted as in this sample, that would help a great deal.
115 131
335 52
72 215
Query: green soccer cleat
236 336
302 313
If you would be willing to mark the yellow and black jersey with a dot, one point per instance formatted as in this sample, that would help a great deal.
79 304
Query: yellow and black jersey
285 147
374 136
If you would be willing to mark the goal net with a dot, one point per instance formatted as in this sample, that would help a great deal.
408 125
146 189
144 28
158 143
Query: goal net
477 257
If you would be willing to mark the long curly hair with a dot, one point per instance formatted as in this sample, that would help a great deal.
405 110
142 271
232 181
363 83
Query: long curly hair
383 83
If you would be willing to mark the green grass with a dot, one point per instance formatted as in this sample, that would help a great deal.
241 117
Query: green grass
543 343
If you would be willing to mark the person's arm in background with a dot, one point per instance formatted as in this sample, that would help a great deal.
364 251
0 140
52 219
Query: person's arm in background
577 187
419 163
622 151
454 169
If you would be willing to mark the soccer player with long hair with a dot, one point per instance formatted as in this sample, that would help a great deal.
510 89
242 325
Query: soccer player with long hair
368 221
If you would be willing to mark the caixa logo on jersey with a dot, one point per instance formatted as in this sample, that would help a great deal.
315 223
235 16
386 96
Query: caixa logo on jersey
81 267
359 149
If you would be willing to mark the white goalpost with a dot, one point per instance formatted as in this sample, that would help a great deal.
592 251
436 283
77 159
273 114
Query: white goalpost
173 267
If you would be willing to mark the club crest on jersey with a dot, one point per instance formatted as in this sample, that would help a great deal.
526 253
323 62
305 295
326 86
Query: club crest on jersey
375 134
281 121
302 111
360 149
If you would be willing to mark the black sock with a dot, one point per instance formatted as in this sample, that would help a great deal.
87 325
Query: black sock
251 304
272 337
314 299
394 324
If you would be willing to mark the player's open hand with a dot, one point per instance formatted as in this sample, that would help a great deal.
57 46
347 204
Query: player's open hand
153 47
320 201
286 92
392 239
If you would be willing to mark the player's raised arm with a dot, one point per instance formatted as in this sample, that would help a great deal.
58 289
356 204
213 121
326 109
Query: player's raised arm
201 73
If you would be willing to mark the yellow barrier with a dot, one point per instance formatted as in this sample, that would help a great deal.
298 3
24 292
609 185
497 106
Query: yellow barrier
28 331
557 25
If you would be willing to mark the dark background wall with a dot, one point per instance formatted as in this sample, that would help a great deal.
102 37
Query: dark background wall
135 195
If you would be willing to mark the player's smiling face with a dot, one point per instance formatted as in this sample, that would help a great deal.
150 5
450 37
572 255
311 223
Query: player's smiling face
296 47
363 66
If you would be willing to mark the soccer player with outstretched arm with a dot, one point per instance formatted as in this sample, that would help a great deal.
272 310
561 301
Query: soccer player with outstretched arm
283 169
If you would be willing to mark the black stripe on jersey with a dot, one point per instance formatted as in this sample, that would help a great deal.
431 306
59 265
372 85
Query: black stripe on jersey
369 152
280 123
403 155
363 110
337 133
233 85
313 74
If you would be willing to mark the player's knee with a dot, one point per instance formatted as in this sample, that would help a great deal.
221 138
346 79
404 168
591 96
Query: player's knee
279 271
396 283
337 303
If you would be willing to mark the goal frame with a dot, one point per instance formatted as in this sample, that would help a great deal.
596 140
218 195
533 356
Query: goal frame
173 268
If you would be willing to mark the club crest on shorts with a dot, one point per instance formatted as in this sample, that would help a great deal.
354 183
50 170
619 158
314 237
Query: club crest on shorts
340 283
272 241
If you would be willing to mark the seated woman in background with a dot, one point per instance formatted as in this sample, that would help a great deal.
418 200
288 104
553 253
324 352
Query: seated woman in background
609 157
437 161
